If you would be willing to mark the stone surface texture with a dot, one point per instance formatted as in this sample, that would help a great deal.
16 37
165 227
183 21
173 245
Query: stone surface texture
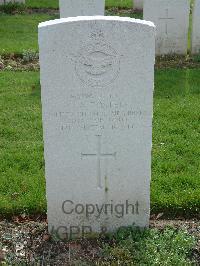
172 22
97 98
196 28
73 8
138 4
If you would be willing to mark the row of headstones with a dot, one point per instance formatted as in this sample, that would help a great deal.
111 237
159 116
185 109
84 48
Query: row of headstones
170 17
97 76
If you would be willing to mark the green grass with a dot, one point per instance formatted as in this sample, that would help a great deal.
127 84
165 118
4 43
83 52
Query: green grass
54 3
149 247
119 3
176 153
22 185
42 3
19 32
175 169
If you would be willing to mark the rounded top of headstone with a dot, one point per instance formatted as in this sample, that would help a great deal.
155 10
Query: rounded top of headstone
97 18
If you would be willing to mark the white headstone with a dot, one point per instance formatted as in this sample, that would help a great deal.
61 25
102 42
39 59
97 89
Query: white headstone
97 97
73 8
2 2
138 4
196 28
171 18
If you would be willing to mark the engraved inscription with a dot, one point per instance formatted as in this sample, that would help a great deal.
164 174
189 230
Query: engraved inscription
97 120
97 63
99 155
86 111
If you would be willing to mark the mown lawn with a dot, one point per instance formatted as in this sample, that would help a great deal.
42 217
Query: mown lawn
22 186
42 3
19 32
176 149
175 185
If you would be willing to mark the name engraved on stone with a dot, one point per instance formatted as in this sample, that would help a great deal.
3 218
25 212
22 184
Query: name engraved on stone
94 120
99 155
97 114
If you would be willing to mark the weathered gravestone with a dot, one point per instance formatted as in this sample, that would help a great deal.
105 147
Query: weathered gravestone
196 28
3 2
138 4
97 97
73 8
172 22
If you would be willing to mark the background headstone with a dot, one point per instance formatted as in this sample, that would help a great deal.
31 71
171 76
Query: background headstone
2 2
196 28
73 8
138 4
172 22
97 97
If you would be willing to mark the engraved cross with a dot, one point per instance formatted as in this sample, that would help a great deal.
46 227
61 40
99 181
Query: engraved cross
99 156
166 18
